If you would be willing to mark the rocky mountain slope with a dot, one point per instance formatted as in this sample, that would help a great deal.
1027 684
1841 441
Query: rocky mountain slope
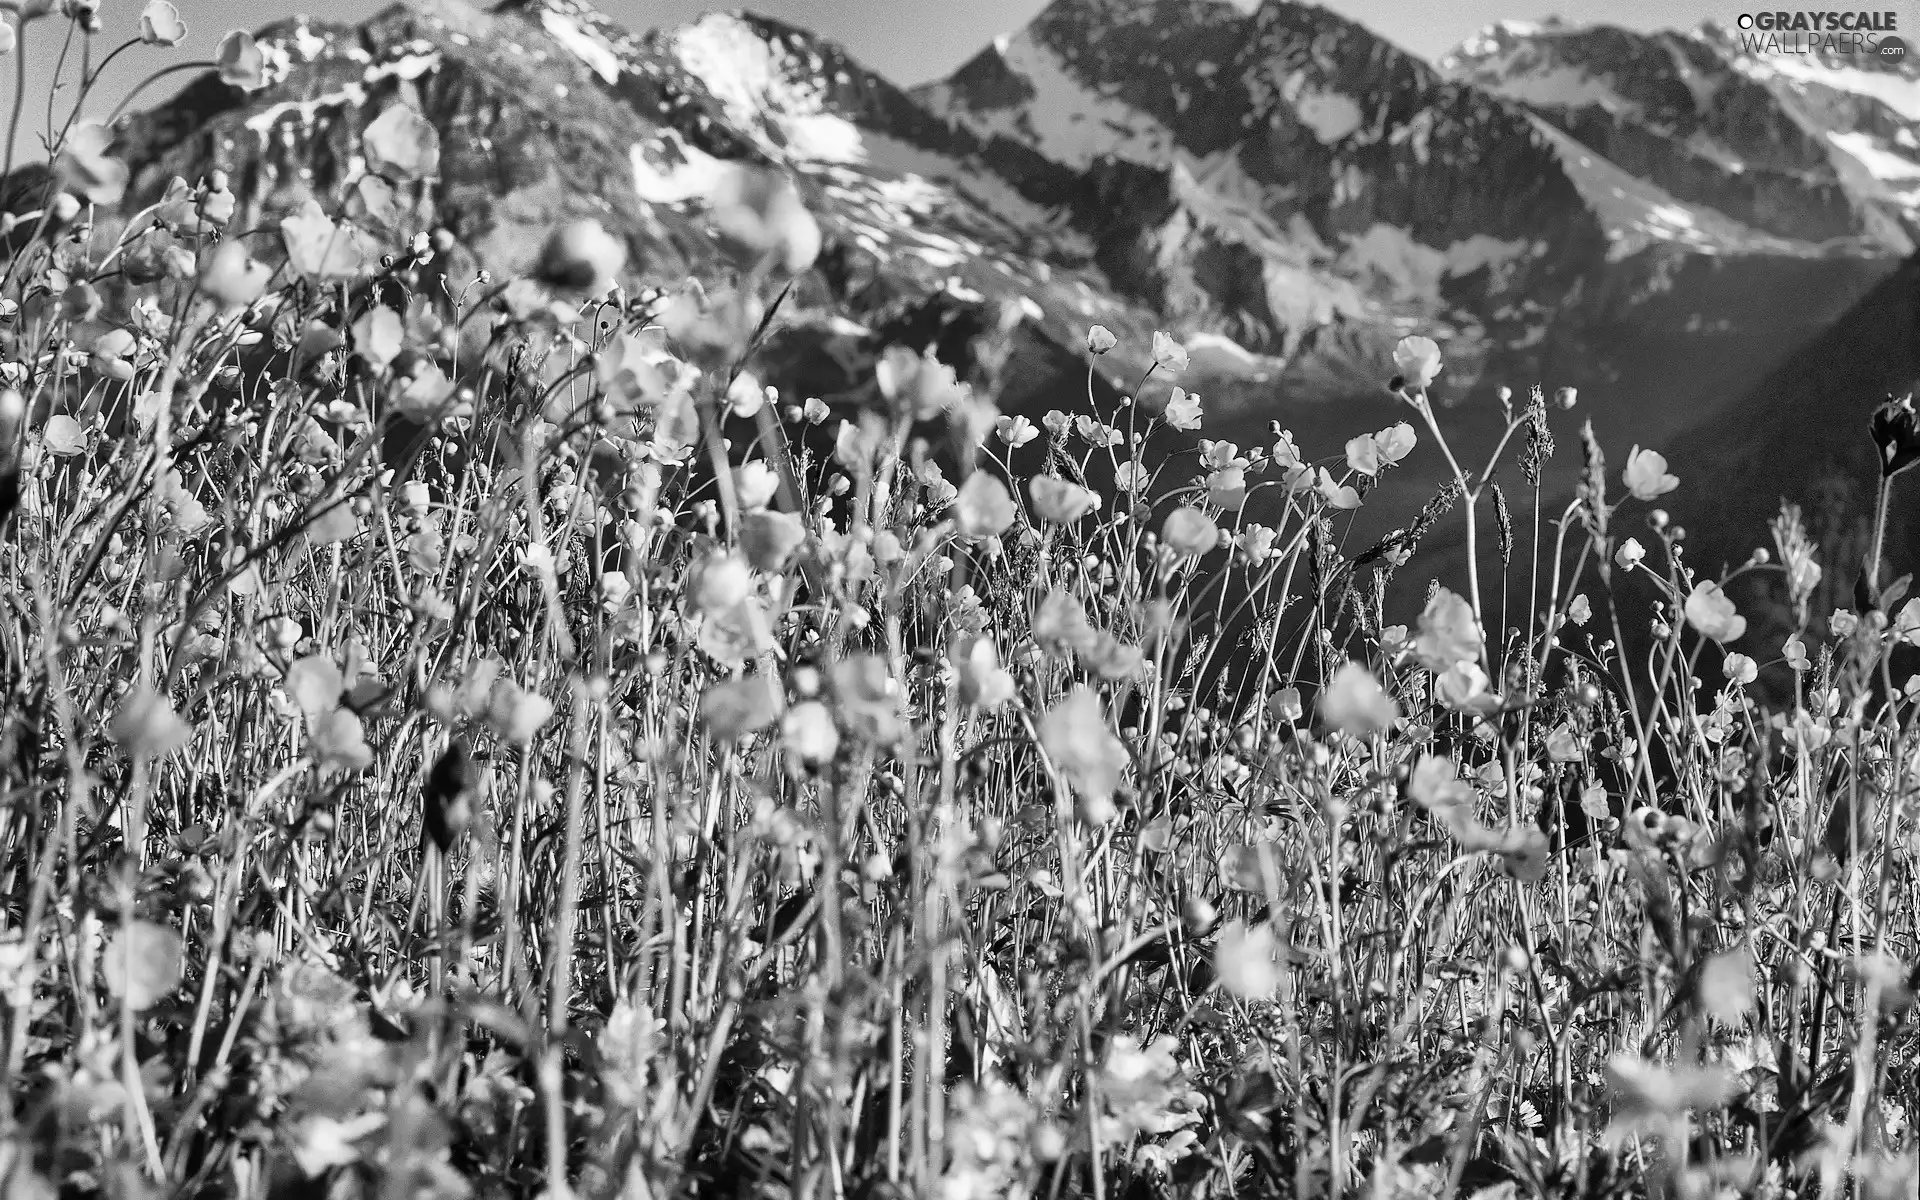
1801 435
1814 146
1282 189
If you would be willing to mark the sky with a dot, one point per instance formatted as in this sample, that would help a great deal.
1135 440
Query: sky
909 41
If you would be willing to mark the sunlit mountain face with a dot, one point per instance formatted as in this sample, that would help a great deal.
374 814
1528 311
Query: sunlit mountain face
1283 190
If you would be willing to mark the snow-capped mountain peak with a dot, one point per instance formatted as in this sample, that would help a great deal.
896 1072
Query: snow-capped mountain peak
1816 146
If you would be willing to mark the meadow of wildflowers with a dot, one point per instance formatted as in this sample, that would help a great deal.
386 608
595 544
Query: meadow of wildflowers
457 744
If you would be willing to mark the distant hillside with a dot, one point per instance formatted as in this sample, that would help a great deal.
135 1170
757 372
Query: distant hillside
1801 434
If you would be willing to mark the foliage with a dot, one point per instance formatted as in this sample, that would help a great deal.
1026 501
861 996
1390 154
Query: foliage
454 743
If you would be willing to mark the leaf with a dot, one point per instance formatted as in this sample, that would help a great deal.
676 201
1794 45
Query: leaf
402 145
142 964
1894 592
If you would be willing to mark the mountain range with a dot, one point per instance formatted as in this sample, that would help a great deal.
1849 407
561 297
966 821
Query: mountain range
1658 220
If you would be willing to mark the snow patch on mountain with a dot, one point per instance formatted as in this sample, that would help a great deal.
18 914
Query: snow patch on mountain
1331 116
1883 164
407 67
1562 87
1482 250
1389 255
1899 92
599 57
1303 299
1518 60
669 171
1415 272
1063 119
1697 82
761 92
1637 214
1220 195
1215 354
305 112
985 189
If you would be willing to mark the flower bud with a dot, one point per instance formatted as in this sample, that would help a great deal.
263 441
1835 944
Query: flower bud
1896 431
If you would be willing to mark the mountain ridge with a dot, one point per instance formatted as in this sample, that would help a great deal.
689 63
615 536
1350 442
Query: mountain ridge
1291 212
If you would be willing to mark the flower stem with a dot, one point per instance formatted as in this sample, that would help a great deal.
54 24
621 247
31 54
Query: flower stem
19 94
1879 535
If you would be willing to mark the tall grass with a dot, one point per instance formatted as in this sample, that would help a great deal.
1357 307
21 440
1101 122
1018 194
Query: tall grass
469 736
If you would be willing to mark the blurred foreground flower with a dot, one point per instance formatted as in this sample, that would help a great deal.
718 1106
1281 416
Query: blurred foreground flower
582 256
232 278
983 508
323 249
760 210
1189 531
983 682
1246 960
85 166
1058 501
1355 703
142 964
917 386
147 727
402 145
808 733
1645 1095
1449 632
1075 736
734 708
